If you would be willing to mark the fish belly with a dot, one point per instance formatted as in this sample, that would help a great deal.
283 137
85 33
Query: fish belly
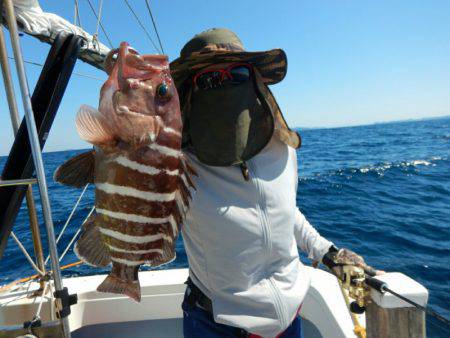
137 210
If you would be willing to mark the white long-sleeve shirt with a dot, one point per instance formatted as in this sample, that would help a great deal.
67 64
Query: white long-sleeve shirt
242 238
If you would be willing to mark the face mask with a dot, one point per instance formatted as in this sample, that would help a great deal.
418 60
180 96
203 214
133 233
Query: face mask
229 125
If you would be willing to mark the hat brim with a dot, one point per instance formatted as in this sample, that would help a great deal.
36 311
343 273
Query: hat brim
271 64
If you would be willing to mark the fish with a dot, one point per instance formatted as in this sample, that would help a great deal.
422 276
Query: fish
142 179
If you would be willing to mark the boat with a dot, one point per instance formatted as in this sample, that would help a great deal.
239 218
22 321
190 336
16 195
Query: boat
47 305
159 313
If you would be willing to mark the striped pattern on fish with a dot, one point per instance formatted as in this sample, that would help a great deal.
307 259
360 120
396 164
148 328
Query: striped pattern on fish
143 184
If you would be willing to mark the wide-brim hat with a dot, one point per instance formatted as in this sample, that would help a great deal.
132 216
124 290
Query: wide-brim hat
219 45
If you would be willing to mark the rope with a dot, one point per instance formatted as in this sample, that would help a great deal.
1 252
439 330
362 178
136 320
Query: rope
95 41
142 26
100 23
359 330
100 7
69 218
38 311
33 277
76 234
25 252
147 3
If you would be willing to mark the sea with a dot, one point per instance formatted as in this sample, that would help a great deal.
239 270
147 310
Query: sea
381 190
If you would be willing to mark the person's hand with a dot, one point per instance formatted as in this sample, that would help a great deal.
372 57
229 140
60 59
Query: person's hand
335 260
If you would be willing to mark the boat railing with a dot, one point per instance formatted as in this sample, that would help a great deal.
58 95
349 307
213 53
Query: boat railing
62 299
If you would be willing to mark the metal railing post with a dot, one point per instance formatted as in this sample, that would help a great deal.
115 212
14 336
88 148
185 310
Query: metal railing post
36 151
15 120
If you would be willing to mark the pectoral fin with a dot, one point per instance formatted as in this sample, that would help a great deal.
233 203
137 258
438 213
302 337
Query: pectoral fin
77 171
93 127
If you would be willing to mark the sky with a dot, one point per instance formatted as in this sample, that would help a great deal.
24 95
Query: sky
349 62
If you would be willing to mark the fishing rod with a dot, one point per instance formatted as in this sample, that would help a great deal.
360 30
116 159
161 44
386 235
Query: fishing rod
357 281
382 287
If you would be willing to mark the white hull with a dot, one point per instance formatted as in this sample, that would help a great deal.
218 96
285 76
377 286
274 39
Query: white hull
159 313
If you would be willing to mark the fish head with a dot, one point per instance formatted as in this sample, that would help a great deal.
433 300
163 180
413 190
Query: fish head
139 87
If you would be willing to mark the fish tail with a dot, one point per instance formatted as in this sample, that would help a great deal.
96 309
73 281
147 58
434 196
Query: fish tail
114 284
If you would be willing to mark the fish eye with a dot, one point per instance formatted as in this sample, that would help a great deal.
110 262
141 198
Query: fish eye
162 90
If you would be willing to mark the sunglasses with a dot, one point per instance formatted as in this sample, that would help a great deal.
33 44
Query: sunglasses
235 73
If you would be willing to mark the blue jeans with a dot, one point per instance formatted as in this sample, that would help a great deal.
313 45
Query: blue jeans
198 323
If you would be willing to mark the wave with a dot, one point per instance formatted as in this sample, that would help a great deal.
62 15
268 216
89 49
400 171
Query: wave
385 166
379 168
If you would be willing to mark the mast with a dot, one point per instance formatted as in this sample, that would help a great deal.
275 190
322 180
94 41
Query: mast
36 152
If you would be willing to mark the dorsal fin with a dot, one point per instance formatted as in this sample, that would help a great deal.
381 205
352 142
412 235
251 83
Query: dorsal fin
77 171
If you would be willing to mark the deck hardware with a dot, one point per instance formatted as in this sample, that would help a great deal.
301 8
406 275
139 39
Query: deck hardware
29 325
66 301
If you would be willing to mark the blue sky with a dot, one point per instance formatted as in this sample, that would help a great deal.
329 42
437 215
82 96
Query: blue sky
350 62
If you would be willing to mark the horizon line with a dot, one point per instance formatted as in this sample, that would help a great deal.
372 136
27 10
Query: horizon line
447 115
311 128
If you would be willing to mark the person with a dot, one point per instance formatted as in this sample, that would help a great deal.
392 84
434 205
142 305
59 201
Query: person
243 229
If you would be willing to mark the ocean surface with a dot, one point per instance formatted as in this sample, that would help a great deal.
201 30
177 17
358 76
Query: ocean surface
381 190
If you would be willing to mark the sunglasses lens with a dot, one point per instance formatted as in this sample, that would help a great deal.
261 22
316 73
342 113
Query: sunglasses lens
208 80
213 79
240 74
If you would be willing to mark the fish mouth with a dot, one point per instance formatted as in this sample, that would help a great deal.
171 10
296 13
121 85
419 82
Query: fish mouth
132 65
133 76
135 97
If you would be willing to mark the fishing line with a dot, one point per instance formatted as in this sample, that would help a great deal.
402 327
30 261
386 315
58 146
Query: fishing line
154 24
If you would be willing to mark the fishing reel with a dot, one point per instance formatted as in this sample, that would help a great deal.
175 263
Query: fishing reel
351 278
354 281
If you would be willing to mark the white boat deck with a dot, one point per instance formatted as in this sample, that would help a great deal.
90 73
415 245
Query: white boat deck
159 313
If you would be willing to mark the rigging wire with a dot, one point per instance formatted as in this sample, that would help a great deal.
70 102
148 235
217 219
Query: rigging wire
147 3
100 24
76 235
77 19
142 26
68 219
25 252
75 73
